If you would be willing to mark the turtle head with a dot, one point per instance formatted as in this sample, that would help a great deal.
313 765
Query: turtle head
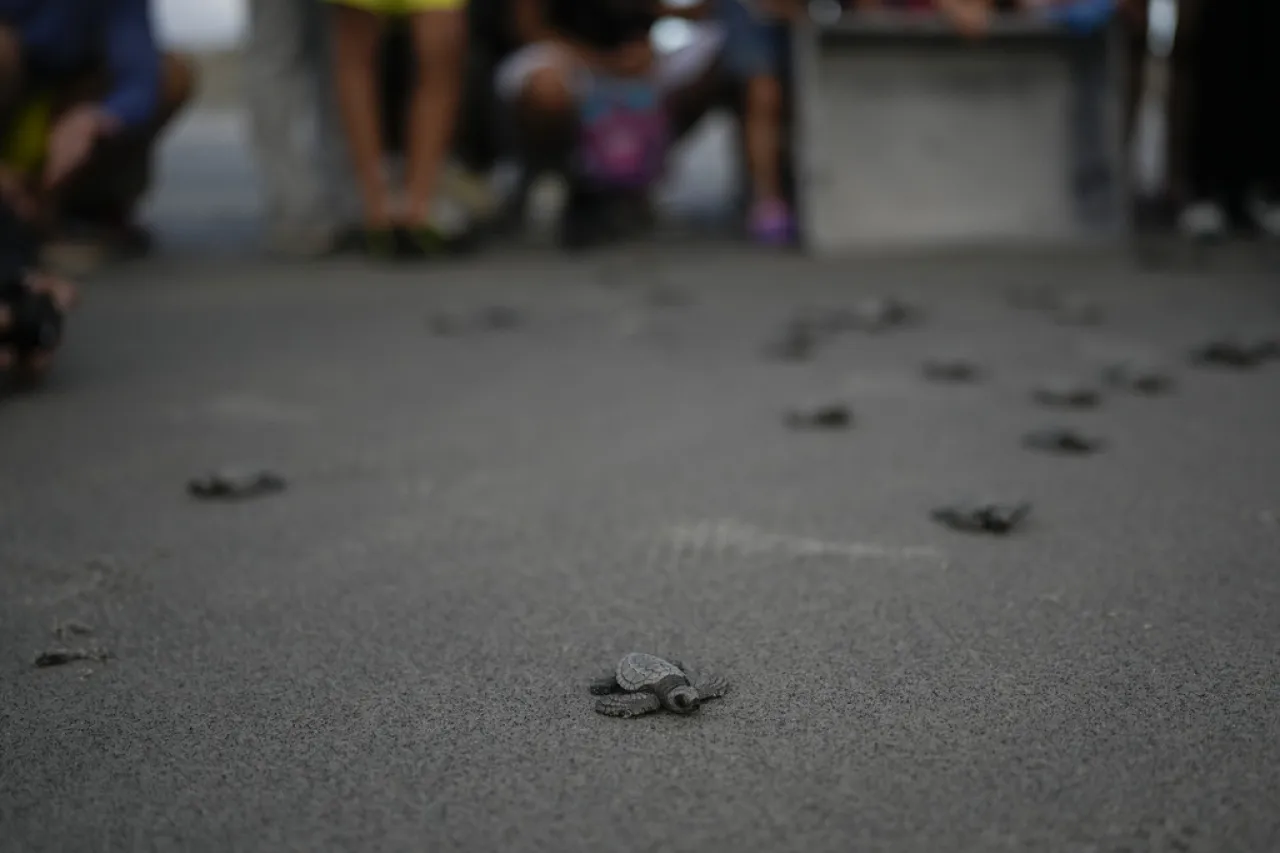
683 700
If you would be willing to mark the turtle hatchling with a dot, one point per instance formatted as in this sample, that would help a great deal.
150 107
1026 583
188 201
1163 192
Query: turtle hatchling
1068 393
820 416
1231 352
798 341
1138 377
1034 298
951 369
878 314
644 683
1062 440
235 483
1076 311
982 517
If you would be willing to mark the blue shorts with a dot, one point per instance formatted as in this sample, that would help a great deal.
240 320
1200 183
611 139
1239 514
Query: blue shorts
753 47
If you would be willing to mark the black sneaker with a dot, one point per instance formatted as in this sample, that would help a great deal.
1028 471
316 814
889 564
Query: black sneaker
584 222
377 243
426 242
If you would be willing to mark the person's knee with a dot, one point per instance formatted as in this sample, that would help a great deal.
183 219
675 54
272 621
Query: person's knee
440 39
179 82
547 91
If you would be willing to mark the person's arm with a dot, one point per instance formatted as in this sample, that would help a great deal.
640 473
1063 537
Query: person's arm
133 60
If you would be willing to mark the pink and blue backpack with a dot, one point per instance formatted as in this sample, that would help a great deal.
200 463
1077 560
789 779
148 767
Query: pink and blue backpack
624 134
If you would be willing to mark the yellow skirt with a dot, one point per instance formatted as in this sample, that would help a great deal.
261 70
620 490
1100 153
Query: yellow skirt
402 7
23 150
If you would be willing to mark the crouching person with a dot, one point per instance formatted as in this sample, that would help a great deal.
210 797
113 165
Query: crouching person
85 93
589 97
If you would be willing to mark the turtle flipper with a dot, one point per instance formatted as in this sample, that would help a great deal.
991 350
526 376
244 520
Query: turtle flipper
628 704
604 685
712 686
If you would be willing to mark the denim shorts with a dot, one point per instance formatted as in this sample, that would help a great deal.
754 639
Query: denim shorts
753 47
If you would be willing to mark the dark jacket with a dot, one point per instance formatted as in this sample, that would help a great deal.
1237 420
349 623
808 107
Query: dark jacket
65 37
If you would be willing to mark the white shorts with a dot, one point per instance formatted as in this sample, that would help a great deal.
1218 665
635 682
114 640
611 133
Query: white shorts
674 70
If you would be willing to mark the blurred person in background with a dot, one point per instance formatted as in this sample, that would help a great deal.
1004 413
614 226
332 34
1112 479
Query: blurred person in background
413 226
85 93
559 86
1234 144
756 48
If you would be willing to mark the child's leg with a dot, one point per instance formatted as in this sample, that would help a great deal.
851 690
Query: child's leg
763 128
440 43
356 35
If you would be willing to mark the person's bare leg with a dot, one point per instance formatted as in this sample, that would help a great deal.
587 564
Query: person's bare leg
356 35
763 137
440 44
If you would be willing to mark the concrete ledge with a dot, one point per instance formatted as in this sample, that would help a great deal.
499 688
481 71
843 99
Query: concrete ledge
220 78
911 137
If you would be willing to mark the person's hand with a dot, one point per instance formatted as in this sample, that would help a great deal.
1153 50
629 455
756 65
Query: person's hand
971 19
631 60
72 140
29 368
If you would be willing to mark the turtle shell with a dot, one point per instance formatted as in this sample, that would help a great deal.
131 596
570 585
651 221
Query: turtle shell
638 671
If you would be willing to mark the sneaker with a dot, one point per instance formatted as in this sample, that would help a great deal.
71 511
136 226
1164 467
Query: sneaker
1266 215
474 192
771 224
1204 220
448 232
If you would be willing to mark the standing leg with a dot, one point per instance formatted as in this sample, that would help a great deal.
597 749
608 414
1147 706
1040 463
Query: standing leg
282 110
440 46
356 34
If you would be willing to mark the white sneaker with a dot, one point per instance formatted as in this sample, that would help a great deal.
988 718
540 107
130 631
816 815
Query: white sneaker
1204 220
1267 216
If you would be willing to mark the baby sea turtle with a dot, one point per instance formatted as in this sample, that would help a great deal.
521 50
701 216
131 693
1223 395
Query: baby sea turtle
1235 352
1034 298
1138 377
1066 393
668 296
878 313
1062 440
493 318
235 483
60 656
997 518
644 683
501 318
820 416
951 369
1076 311
798 341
